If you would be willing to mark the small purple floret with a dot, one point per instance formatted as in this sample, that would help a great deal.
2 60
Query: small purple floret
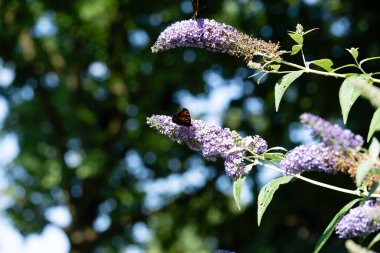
310 158
234 164
255 144
331 134
362 220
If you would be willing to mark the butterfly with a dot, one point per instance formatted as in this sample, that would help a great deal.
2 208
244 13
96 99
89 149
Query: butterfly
195 4
182 118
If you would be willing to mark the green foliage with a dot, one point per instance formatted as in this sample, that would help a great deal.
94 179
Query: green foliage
349 93
374 241
330 228
297 38
266 195
296 49
272 156
354 52
283 84
237 188
326 64
365 166
374 125
374 149
102 121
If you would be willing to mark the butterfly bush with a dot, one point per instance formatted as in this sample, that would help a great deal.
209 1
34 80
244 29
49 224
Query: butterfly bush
310 158
336 152
217 37
331 134
362 220
331 155
212 141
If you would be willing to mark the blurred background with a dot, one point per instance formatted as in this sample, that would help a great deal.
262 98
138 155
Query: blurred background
80 171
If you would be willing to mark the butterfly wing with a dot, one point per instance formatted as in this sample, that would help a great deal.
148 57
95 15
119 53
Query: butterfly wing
182 118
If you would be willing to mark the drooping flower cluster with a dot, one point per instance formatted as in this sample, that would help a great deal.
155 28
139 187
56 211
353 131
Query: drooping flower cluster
217 37
255 144
212 141
331 134
362 220
330 155
310 158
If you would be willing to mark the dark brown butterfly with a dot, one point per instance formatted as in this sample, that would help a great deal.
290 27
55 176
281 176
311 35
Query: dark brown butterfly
195 4
182 118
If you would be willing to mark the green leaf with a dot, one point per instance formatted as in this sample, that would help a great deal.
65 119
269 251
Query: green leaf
326 64
330 228
375 124
296 49
374 189
275 66
277 148
363 169
274 157
354 52
266 195
354 247
259 80
365 166
375 171
349 93
297 38
374 149
283 84
237 187
374 240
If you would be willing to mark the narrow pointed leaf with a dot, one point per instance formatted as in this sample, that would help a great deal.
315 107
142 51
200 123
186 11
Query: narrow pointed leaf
275 66
374 149
326 64
297 38
375 124
330 228
261 77
375 171
266 195
349 93
363 169
354 52
374 241
274 157
237 187
374 188
283 84
277 148
353 247
296 49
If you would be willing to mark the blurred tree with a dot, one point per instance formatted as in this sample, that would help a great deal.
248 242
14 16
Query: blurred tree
85 83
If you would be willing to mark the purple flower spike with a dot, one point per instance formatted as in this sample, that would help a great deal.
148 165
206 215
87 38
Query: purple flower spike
331 135
362 220
310 158
212 141
214 36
